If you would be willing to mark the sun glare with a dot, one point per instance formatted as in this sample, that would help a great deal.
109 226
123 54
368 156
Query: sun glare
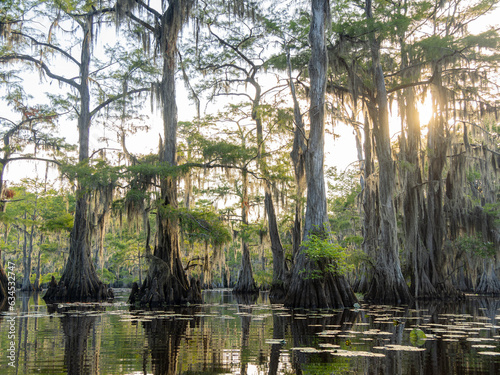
424 112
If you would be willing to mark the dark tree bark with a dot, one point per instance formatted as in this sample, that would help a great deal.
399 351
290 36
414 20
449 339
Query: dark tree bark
278 287
437 144
329 291
414 207
298 159
388 284
246 282
79 281
166 281
370 204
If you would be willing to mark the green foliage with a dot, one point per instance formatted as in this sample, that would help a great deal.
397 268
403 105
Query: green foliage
493 210
107 276
200 225
92 175
46 278
343 194
475 245
354 240
227 153
263 278
328 256
62 222
417 337
49 247
473 175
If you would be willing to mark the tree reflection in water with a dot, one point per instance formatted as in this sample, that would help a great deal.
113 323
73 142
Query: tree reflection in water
242 335
164 338
305 328
245 302
279 324
78 321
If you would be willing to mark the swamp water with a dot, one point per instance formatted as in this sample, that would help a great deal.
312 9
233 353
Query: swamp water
230 335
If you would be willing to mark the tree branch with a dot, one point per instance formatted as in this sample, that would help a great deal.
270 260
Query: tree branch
140 22
32 158
117 97
42 66
51 46
235 49
212 165
148 8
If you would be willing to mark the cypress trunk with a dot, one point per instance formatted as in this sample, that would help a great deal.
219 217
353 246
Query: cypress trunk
436 232
79 281
297 156
166 281
388 284
328 291
414 207
370 204
27 250
246 282
36 285
278 290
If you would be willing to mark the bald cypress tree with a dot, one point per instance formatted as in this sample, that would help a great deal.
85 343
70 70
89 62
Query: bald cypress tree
166 281
388 283
329 290
43 48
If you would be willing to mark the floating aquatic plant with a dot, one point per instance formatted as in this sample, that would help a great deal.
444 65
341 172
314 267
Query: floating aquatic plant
417 337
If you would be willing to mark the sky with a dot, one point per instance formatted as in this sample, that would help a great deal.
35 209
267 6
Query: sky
340 152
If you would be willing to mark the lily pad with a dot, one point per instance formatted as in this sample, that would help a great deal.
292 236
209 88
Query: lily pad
489 353
307 350
483 346
353 353
417 337
402 348
275 341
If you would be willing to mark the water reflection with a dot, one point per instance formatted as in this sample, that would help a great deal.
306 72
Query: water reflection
164 337
236 335
245 302
79 323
